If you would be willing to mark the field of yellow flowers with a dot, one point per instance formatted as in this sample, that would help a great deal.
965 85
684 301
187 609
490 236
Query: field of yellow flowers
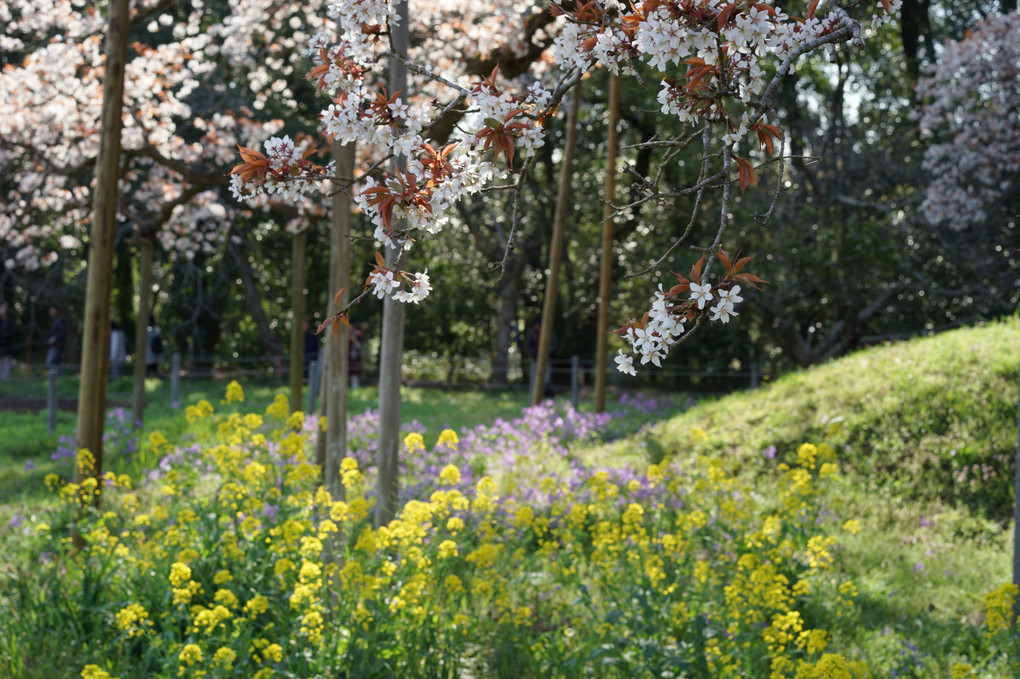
510 557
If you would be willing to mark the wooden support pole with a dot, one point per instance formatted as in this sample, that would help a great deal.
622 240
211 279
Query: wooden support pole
606 265
299 245
556 250
96 335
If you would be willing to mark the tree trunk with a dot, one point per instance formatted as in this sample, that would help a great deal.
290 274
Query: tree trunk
606 268
96 349
391 352
509 291
556 249
297 330
332 444
253 300
145 247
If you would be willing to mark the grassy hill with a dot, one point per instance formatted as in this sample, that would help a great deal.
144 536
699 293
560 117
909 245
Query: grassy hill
933 418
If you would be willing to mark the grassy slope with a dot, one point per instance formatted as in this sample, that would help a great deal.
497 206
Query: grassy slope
935 418
917 418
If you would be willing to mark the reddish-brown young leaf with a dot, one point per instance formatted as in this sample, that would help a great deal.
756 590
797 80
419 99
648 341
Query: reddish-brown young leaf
741 263
254 164
339 294
725 259
696 269
725 14
380 260
680 288
811 9
747 174
749 279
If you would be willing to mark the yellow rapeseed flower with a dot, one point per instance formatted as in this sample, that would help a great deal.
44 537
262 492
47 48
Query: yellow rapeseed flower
180 573
414 442
157 441
132 619
272 653
95 672
999 608
279 408
234 393
190 654
86 461
296 420
450 475
225 657
448 438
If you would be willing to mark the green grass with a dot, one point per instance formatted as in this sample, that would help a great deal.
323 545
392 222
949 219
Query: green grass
926 438
27 440
932 419
926 435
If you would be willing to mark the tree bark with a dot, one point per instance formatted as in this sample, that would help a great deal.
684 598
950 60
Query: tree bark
556 249
96 345
392 350
509 291
606 268
332 445
145 248
299 248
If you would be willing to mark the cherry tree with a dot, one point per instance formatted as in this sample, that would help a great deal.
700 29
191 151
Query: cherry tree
971 101
720 64
970 106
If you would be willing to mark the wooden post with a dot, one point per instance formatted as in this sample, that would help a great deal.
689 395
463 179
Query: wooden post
332 444
606 265
298 268
145 247
96 335
392 350
314 372
175 380
575 380
51 400
556 250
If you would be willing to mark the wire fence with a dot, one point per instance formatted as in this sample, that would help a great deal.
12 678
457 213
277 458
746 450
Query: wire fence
573 376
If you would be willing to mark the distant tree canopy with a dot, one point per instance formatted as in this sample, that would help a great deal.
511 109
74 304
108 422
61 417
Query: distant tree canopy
856 251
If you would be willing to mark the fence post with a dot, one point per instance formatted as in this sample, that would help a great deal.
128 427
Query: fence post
175 380
575 379
314 379
51 400
754 374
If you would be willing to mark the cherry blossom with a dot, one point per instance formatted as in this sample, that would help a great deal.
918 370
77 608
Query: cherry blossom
720 65
971 99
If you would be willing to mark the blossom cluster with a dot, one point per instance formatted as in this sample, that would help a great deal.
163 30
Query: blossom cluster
969 112
712 56
654 336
